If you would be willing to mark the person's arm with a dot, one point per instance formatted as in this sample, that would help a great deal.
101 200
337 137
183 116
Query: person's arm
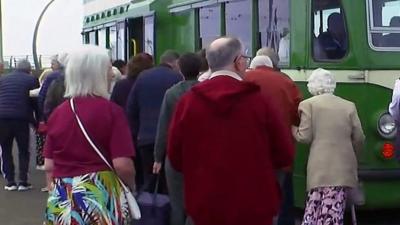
304 133
394 104
297 97
160 146
125 169
357 134
48 167
281 141
175 149
121 147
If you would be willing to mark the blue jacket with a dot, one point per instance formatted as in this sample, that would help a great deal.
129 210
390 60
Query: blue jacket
15 102
121 91
43 90
144 102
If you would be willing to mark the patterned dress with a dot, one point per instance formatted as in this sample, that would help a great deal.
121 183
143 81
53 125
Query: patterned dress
40 139
95 199
325 206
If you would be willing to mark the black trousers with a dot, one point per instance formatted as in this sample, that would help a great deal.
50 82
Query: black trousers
18 129
286 214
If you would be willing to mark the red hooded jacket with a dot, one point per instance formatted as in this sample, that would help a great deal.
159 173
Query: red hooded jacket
228 141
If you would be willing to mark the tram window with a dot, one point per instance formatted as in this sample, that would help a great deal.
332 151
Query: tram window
102 38
330 39
274 27
121 41
210 24
113 42
92 37
385 17
239 22
149 35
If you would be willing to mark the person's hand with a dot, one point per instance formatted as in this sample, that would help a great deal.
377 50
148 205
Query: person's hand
157 167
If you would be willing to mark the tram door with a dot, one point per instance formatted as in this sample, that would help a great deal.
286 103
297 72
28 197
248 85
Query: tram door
141 35
135 36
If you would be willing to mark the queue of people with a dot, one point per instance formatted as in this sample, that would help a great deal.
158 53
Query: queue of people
217 129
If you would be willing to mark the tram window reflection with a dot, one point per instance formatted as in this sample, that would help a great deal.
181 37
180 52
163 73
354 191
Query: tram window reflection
210 24
113 42
238 22
274 27
384 31
92 38
330 39
102 38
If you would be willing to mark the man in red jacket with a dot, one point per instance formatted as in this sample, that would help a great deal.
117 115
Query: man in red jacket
228 141
288 96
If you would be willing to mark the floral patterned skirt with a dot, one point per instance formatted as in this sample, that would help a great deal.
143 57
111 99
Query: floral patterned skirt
325 206
95 199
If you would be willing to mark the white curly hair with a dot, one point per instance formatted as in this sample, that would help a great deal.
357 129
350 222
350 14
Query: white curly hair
321 81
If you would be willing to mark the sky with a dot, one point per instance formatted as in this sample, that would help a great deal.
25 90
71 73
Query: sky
59 30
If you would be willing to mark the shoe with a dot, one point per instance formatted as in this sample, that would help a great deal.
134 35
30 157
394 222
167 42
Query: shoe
24 186
11 186
44 189
40 167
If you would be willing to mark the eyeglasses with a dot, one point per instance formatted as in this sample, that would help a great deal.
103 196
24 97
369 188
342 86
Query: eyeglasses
245 57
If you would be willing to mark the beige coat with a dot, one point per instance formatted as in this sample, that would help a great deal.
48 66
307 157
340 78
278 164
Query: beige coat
332 127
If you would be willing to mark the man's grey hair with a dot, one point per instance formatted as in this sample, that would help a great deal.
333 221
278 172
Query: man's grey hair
270 52
224 55
169 56
24 65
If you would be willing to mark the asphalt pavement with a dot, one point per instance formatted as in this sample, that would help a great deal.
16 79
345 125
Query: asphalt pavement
23 208
27 208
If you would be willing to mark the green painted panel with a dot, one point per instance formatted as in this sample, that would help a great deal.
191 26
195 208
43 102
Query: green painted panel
174 31
299 30
184 33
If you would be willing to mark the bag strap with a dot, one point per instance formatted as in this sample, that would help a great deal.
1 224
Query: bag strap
71 102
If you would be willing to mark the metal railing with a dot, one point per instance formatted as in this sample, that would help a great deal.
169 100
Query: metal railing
10 62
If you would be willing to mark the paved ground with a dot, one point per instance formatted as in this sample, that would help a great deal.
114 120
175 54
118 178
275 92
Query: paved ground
27 208
23 208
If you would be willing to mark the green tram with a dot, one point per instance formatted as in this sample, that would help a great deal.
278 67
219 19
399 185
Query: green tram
366 67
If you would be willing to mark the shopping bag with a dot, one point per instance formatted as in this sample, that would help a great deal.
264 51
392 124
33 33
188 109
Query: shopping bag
155 208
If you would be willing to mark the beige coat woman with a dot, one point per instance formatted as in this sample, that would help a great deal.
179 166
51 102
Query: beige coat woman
332 127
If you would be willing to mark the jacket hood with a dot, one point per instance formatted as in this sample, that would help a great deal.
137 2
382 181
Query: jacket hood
223 92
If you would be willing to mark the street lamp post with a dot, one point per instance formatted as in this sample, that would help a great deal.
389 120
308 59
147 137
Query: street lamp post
34 47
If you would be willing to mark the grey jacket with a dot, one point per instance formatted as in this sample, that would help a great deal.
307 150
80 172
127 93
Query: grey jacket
171 97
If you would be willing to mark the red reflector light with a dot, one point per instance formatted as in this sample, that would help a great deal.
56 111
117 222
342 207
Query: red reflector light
388 151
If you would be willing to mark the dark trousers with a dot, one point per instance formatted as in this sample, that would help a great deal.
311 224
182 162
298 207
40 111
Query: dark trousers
175 188
286 214
146 153
18 129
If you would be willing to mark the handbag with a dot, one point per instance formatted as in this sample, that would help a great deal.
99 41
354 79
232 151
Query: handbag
130 199
155 208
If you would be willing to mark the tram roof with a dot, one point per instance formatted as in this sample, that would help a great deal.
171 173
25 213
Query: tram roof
109 16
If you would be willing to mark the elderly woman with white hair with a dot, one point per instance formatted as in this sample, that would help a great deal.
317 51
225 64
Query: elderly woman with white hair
82 188
332 127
